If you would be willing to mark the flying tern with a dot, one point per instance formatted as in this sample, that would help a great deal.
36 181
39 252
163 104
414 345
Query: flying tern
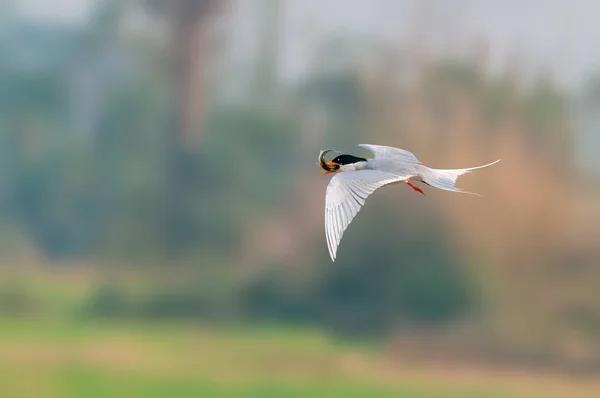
356 178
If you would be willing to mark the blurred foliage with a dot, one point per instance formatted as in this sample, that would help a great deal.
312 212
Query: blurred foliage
545 110
16 300
384 284
499 99
461 74
108 301
340 97
375 294
277 295
379 285
102 194
252 150
87 116
156 299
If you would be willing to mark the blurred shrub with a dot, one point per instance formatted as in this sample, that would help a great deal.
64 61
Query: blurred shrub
381 281
545 111
336 98
108 301
383 287
249 147
373 288
176 302
184 303
16 300
275 295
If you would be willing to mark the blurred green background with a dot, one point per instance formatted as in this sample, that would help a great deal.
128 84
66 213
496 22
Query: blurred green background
161 214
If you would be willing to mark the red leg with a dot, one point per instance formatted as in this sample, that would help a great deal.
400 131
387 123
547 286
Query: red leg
415 188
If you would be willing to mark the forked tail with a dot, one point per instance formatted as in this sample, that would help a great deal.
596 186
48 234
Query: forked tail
446 179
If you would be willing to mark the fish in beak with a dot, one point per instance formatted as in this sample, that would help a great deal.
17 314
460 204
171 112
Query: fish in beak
329 167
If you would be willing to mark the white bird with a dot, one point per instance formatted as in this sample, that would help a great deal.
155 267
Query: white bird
356 178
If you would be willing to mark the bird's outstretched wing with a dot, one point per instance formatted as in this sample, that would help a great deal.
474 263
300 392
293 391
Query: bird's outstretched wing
346 194
381 151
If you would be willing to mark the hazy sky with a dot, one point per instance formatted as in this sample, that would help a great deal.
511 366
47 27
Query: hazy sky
550 35
560 35
69 11
557 34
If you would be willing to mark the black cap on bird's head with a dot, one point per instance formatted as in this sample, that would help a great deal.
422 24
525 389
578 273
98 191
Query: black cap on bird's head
347 159
335 165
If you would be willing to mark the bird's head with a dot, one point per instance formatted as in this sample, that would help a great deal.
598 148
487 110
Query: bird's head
339 164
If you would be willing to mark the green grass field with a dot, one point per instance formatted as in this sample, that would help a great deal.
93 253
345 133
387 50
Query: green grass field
60 354
54 359
73 359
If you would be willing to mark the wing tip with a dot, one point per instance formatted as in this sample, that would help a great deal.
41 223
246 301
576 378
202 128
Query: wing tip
490 164
332 254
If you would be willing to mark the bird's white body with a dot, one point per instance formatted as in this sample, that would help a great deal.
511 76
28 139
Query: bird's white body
355 182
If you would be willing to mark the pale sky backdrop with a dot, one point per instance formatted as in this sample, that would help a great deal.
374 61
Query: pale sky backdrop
562 35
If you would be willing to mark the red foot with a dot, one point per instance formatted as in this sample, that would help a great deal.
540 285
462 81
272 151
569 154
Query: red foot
415 188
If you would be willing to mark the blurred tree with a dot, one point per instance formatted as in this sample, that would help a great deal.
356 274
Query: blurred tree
108 301
587 114
380 283
17 300
268 57
340 99
545 112
277 294
190 23
102 191
387 282
191 31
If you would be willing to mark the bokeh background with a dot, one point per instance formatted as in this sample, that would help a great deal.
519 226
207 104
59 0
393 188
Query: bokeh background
161 213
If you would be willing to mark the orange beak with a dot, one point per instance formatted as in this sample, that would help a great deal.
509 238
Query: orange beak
331 171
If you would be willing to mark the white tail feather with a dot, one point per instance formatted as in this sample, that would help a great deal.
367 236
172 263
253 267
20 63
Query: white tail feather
446 179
